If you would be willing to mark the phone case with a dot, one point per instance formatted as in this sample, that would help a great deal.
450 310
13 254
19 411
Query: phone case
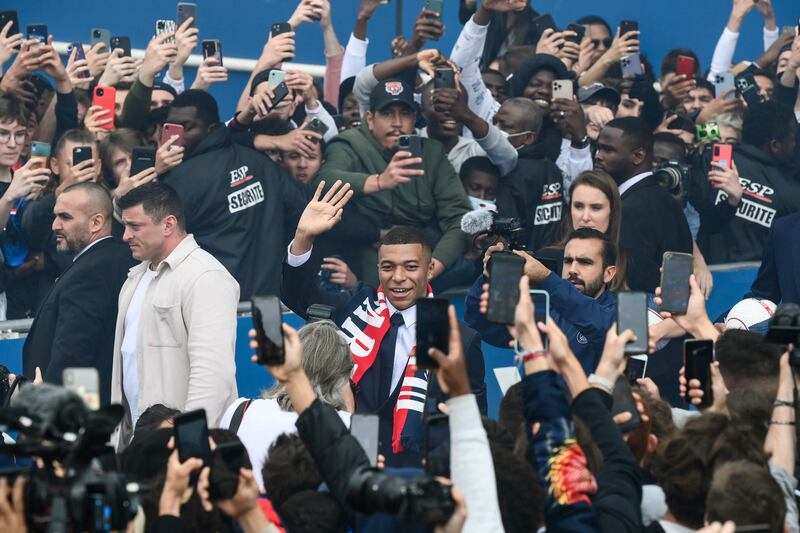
276 77
281 91
444 78
172 129
563 90
724 82
318 126
412 144
627 26
81 154
184 11
101 35
281 27
722 154
166 26
106 97
142 158
747 88
631 66
123 42
685 65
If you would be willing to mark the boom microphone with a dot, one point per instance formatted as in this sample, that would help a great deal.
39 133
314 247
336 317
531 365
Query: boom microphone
478 221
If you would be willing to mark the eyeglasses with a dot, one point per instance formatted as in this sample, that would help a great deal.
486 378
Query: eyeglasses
605 42
19 136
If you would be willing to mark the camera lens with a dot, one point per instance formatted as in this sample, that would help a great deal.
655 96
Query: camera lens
99 92
96 33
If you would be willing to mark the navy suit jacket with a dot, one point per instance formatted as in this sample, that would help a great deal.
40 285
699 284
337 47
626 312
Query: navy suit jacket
778 278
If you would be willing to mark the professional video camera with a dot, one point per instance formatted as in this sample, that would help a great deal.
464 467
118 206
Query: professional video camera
485 222
784 328
67 487
672 175
422 499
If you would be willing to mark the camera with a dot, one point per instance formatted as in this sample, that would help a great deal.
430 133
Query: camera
422 499
672 175
511 230
784 328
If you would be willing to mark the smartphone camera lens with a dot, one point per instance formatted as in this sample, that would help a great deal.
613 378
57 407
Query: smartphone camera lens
96 33
99 92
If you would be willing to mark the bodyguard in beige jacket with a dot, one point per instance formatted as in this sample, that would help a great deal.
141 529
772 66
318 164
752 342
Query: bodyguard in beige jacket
176 327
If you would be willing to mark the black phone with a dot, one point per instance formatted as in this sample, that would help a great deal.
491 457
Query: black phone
184 11
280 92
318 126
5 17
212 48
748 89
437 429
226 461
5 386
505 270
37 32
676 269
81 154
624 402
413 144
267 321
698 354
433 330
580 30
444 78
636 368
632 315
364 428
142 158
191 435
544 22
123 42
627 26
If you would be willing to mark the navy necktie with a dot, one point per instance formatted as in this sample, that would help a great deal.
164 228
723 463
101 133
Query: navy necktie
386 355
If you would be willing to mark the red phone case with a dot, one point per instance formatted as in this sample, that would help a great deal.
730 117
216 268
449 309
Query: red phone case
685 66
106 97
172 129
722 154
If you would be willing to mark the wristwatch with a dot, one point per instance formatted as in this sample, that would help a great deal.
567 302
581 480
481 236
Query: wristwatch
580 145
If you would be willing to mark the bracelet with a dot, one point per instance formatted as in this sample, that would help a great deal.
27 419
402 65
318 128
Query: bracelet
782 422
783 403
530 356
378 182
605 383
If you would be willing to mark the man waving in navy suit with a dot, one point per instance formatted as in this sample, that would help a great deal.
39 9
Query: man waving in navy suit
379 326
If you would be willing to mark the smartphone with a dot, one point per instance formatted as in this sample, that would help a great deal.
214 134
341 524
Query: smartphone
85 382
632 315
37 32
724 82
142 158
213 48
544 22
437 429
5 17
282 27
166 26
365 430
722 155
412 144
675 272
580 31
172 129
563 90
748 89
81 154
5 386
276 77
627 26
226 461
444 78
267 321
433 330
685 65
624 402
636 368
435 6
698 354
123 42
318 126
281 91
505 270
40 152
79 55
631 66
191 435
184 11
106 97
101 35
541 313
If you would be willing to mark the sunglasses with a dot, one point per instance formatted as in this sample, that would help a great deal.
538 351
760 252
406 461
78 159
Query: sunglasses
604 42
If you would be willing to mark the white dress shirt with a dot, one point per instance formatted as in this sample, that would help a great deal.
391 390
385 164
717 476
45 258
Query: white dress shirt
406 334
630 182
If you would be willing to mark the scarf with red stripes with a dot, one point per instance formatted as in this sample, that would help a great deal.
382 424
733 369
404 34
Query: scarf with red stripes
366 326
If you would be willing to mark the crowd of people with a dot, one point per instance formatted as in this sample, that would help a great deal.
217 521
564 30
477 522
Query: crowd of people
132 234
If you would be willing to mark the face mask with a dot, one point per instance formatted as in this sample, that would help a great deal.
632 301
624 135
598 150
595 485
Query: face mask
478 203
512 135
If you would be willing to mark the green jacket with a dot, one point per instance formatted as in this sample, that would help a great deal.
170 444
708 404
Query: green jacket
437 197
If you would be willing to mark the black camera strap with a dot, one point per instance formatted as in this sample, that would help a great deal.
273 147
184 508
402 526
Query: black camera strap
238 415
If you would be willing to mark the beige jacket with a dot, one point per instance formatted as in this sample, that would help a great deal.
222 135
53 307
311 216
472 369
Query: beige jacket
187 336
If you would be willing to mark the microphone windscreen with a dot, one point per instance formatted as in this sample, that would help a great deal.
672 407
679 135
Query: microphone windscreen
477 221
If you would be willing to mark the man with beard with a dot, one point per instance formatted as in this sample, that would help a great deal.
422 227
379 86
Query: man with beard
74 326
581 301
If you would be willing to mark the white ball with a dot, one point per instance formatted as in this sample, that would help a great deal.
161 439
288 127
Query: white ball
654 318
749 312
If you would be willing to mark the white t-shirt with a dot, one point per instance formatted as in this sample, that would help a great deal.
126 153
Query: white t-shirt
262 424
130 345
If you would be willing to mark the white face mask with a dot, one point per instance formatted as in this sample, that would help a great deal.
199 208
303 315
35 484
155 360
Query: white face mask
479 203
512 135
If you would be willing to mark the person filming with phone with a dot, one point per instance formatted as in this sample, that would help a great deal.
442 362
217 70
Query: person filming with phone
379 325
176 328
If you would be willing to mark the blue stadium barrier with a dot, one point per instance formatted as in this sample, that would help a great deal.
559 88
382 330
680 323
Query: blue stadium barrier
730 284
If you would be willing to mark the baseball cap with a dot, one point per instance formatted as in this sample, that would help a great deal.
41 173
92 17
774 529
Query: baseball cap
389 92
598 90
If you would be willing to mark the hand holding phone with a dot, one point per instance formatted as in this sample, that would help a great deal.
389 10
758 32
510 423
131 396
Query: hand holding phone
632 315
675 290
365 429
191 436
433 330
624 402
698 354
226 461
267 322
685 65
505 271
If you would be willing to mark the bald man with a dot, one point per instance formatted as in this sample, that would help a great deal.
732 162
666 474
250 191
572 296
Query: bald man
74 327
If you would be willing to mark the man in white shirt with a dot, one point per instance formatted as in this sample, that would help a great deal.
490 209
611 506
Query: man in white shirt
176 328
